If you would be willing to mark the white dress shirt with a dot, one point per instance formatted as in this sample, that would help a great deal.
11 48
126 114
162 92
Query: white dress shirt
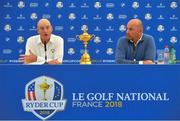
54 49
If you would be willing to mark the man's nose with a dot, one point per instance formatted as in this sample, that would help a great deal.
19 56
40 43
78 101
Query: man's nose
45 30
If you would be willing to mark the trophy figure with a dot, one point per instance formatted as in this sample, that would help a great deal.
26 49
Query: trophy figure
85 38
44 87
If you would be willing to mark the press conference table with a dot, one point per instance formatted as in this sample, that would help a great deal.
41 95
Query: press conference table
101 83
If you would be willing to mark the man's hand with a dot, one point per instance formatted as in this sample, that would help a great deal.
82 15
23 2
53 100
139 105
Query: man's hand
148 62
54 62
28 58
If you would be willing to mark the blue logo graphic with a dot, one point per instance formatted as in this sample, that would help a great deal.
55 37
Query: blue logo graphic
44 97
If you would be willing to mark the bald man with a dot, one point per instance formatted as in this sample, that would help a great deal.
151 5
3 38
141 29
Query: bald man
45 48
136 47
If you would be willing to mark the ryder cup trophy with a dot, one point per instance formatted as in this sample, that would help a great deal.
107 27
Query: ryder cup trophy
44 87
85 38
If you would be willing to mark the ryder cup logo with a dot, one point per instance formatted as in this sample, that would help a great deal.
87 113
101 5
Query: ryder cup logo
97 5
44 97
135 5
7 27
148 16
21 4
122 28
173 5
59 5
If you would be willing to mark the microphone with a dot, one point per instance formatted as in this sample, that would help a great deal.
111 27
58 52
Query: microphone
45 49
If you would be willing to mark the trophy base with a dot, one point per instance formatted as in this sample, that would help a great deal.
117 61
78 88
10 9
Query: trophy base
85 59
44 99
88 63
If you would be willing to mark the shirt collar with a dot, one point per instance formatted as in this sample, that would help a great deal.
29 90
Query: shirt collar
39 40
138 40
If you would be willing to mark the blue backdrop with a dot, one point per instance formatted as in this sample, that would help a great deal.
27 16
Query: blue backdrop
106 19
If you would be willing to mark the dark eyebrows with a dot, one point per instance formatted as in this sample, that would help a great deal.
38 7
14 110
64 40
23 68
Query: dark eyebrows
130 28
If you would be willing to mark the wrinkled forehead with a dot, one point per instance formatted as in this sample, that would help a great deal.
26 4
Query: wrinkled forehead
134 25
44 23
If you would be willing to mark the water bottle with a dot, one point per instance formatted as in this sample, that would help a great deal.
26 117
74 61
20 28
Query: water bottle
160 56
166 55
172 56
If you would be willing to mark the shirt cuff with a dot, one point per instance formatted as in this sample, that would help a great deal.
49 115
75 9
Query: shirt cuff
40 60
36 63
141 62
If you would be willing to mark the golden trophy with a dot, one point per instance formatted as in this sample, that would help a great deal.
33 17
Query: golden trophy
85 38
44 87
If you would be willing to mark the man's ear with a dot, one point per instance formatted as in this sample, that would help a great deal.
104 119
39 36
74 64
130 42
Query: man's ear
141 30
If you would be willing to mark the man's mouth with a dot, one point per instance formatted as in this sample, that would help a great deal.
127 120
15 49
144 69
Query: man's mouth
46 35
